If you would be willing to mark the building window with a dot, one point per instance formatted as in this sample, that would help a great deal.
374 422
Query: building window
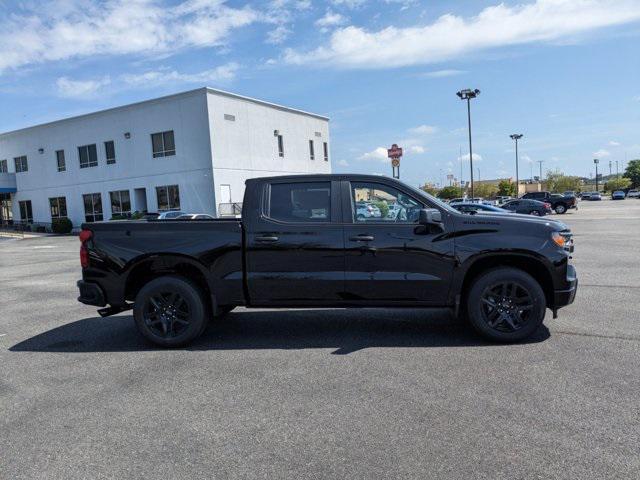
231 118
312 154
280 146
325 147
88 155
3 166
110 150
58 206
168 197
26 213
21 164
60 161
92 207
163 144
120 203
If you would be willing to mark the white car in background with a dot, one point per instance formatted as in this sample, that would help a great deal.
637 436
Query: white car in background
633 194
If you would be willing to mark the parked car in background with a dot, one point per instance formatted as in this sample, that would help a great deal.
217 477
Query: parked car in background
169 215
503 199
633 194
528 207
569 193
618 195
367 210
474 208
196 216
457 200
585 195
559 203
595 196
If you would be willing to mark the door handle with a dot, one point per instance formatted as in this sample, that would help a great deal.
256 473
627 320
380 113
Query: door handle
362 238
266 239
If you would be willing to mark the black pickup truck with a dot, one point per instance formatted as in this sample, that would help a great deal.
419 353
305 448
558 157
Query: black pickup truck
329 241
559 203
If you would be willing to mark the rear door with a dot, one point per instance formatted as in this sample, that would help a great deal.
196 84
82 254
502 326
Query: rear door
295 245
389 257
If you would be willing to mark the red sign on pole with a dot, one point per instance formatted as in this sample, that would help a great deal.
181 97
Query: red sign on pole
394 152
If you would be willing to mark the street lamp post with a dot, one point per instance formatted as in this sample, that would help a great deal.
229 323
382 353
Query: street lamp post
540 162
516 137
467 94
596 161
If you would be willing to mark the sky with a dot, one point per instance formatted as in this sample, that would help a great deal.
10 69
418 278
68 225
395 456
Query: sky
564 73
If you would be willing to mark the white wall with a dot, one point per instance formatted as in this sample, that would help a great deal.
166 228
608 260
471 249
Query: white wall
247 148
135 166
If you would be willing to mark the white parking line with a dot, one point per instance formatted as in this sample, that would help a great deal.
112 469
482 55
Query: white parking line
43 246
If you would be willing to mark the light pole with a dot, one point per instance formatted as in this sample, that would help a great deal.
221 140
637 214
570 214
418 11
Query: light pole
516 137
617 171
467 94
540 177
596 161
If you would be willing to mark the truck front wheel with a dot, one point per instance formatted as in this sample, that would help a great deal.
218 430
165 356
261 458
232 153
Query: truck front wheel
170 311
506 305
560 208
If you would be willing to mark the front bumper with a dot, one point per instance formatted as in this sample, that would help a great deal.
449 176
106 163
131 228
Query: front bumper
91 294
566 296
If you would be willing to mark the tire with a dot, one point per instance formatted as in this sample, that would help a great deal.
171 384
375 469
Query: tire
535 213
508 314
170 311
560 209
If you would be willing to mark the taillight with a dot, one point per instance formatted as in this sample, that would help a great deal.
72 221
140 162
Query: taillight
85 236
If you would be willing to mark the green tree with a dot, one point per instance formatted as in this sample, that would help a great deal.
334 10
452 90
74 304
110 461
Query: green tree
484 190
632 172
506 188
617 184
384 208
450 192
430 189
557 181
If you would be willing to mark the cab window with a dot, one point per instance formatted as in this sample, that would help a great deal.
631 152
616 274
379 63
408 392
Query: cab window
304 202
377 203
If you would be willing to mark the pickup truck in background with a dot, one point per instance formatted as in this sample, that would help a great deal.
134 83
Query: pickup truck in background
302 243
559 203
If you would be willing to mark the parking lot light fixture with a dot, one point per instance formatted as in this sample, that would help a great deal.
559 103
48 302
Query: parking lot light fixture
467 94
516 137
596 161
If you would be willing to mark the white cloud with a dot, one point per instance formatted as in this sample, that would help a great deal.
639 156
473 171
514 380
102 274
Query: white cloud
379 154
601 153
349 3
423 130
417 149
636 98
89 28
524 158
451 36
162 76
613 143
442 73
465 157
330 19
343 163
80 88
278 35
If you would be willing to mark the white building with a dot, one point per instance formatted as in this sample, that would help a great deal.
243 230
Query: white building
191 151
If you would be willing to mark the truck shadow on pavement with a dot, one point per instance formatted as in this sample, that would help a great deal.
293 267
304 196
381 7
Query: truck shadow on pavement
346 330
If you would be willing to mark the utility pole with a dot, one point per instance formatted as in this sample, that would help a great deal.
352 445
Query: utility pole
609 167
596 161
516 137
617 171
467 94
540 177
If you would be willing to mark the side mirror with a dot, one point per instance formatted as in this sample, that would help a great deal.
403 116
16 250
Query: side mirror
430 216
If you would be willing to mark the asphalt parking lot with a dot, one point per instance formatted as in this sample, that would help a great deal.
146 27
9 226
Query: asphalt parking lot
323 393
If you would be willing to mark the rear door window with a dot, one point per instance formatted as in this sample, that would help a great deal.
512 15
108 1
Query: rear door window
304 202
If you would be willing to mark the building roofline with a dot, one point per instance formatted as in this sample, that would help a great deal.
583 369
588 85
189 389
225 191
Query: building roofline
159 99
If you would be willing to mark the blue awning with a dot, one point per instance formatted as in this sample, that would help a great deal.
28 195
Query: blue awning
8 190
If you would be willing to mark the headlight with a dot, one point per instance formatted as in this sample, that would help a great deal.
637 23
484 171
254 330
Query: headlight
558 239
563 239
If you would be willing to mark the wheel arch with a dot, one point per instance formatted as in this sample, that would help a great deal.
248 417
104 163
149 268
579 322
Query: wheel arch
526 262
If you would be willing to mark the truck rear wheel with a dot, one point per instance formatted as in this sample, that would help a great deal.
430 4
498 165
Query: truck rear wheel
506 305
560 208
170 311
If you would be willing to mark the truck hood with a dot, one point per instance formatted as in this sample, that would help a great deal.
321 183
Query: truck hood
511 218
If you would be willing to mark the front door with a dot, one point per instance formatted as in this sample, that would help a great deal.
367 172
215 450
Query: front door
295 248
389 257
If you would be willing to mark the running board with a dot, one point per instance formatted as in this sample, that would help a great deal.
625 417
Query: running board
106 312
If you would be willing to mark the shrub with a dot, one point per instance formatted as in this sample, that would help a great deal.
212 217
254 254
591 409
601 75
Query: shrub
61 225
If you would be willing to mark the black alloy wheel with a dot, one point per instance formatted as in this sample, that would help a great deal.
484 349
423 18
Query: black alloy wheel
167 314
506 306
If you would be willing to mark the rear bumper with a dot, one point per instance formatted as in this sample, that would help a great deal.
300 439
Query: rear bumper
91 294
564 297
